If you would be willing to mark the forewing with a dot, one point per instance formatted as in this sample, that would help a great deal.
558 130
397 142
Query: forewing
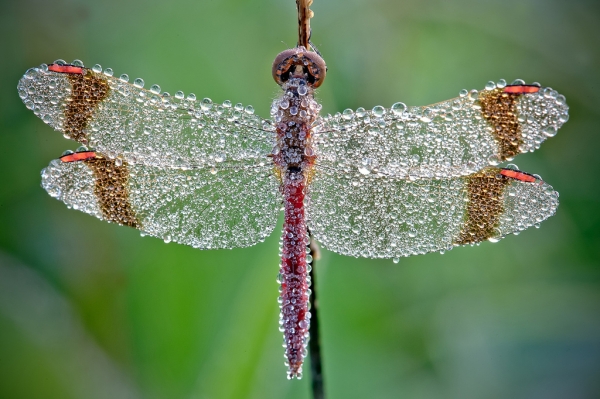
378 217
452 138
123 120
204 208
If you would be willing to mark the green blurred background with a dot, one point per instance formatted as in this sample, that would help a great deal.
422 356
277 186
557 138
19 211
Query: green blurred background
92 310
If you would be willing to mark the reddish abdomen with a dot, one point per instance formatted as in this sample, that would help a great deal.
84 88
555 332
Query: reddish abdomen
293 273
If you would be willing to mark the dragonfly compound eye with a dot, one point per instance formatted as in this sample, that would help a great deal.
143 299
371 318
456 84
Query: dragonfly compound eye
299 61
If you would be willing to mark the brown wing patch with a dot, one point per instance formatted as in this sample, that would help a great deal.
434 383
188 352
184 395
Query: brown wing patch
112 192
484 207
499 108
88 90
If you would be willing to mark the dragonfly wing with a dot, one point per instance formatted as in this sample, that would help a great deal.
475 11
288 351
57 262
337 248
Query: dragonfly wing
378 217
120 119
452 138
204 208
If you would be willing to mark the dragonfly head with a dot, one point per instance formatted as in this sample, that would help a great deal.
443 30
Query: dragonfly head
299 62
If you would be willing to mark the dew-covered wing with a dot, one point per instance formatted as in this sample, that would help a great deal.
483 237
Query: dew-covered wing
204 208
121 119
378 217
452 138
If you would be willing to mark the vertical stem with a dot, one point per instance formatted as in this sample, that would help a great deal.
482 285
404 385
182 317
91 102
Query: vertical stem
304 16
314 345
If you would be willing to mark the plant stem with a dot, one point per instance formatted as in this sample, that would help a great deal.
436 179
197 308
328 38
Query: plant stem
314 344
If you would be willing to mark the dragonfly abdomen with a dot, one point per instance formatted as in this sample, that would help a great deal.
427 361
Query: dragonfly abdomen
294 317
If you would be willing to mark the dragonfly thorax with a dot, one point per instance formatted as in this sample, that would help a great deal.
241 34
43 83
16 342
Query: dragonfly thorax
299 63
294 113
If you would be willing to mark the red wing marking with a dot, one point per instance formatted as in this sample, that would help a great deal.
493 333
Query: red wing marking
515 174
522 89
78 156
65 69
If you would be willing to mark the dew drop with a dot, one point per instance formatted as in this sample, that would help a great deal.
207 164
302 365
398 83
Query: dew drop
139 82
427 115
494 160
97 68
378 111
347 114
563 117
206 104
398 108
364 171
549 131
30 74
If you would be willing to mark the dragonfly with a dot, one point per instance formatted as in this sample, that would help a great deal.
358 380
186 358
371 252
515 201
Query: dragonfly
381 183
